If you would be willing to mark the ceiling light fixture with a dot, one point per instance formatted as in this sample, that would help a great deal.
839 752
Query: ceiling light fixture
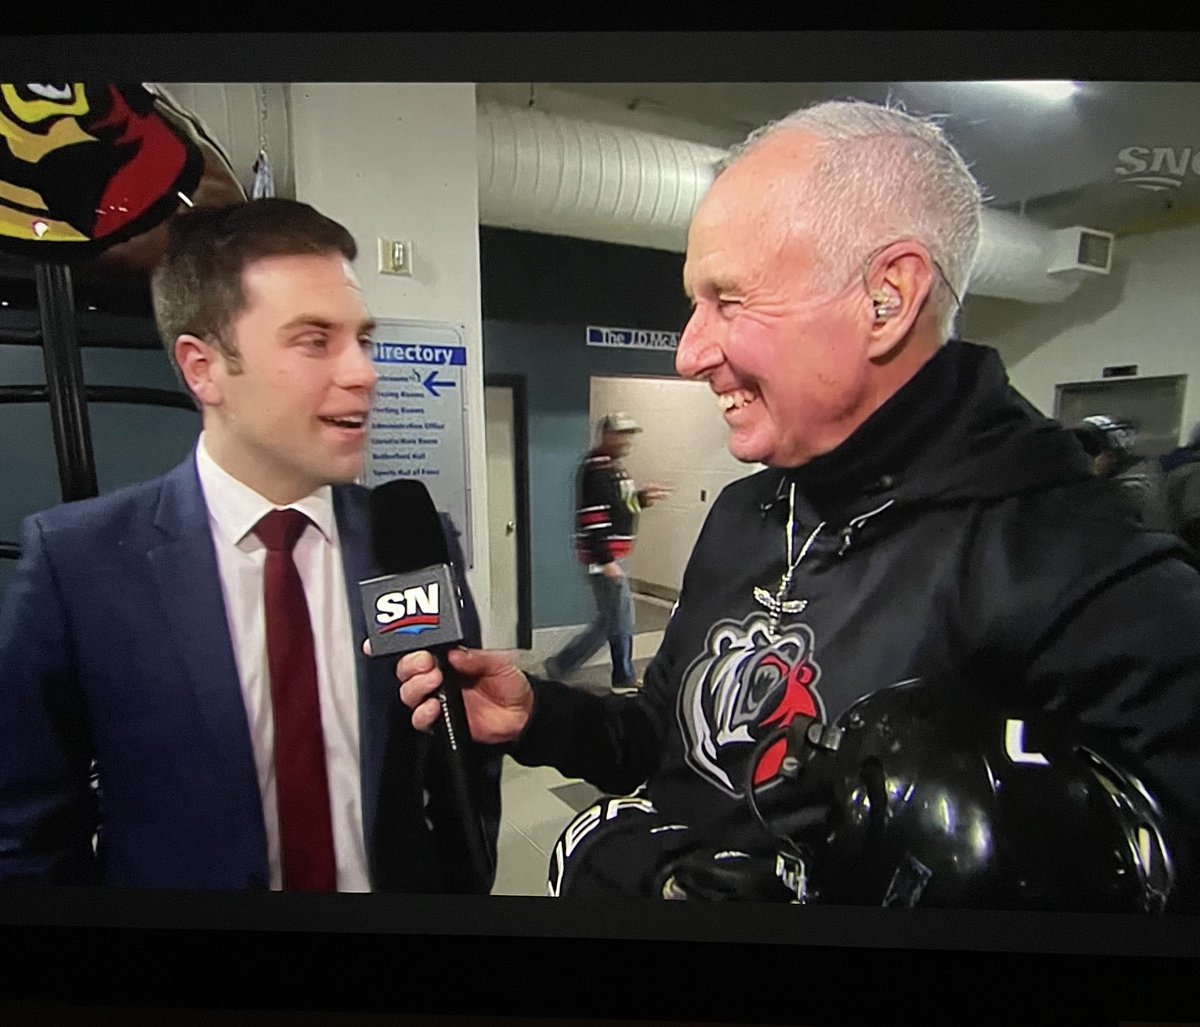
1044 90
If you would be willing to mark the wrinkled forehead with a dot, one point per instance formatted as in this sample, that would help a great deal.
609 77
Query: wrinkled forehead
775 174
758 204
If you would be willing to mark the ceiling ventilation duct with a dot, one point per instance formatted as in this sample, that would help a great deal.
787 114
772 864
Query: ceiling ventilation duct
542 172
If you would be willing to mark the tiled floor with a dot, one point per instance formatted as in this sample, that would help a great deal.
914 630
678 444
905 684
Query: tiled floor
538 802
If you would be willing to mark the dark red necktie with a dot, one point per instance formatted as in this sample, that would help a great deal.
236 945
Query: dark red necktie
301 782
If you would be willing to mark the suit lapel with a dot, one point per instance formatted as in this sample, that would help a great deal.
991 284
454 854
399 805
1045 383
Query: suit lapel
193 607
377 684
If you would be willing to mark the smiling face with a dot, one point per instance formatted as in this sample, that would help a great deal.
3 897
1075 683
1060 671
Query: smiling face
788 357
291 414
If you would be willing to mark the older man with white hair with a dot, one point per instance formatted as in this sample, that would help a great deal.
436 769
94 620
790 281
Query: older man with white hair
917 519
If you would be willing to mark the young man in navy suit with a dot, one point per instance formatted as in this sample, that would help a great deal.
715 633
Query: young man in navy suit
162 723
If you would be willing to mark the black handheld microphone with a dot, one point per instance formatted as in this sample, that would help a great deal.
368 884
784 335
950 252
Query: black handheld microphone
417 605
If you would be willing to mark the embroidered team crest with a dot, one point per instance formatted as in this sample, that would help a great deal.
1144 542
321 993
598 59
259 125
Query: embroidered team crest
745 685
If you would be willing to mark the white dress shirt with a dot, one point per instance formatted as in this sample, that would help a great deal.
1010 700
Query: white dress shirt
233 511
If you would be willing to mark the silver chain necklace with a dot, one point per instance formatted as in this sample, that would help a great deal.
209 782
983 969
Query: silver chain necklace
777 605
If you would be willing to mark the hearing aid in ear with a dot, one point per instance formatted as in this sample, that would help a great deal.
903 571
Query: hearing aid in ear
885 305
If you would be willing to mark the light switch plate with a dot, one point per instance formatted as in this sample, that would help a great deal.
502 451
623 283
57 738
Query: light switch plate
395 257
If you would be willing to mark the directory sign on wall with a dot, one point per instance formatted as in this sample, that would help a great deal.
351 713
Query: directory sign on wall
419 420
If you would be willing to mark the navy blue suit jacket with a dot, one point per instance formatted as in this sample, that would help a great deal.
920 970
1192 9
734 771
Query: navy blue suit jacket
115 648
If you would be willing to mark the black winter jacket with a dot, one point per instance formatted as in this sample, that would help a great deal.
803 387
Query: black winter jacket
961 533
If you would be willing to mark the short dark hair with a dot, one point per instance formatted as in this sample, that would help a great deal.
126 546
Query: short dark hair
197 285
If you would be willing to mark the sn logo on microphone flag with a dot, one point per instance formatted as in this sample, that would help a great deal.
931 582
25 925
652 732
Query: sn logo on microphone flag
406 612
412 611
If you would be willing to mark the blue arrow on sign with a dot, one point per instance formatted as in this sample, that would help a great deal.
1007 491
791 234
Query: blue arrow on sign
432 384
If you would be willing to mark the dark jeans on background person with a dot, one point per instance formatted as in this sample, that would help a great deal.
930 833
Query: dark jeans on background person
613 623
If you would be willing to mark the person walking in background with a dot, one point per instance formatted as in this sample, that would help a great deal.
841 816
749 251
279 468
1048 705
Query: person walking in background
606 514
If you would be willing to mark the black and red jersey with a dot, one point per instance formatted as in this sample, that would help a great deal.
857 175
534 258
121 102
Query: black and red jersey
606 512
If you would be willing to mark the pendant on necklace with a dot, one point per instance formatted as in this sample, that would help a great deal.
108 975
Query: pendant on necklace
777 606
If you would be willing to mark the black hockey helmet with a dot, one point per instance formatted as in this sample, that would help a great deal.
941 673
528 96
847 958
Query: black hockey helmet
928 794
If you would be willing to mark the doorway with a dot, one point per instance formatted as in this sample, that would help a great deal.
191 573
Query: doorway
506 421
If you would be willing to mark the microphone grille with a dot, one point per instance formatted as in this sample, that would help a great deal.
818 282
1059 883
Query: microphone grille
406 529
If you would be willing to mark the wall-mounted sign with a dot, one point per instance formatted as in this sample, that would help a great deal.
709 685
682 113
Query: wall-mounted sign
418 423
632 338
1119 371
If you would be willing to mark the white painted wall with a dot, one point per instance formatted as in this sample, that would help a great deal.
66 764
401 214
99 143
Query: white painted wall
398 160
683 444
1146 312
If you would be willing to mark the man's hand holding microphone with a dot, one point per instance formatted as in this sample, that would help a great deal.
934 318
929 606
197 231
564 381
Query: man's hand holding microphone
497 697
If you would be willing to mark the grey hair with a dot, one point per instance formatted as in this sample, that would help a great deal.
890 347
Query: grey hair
885 175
